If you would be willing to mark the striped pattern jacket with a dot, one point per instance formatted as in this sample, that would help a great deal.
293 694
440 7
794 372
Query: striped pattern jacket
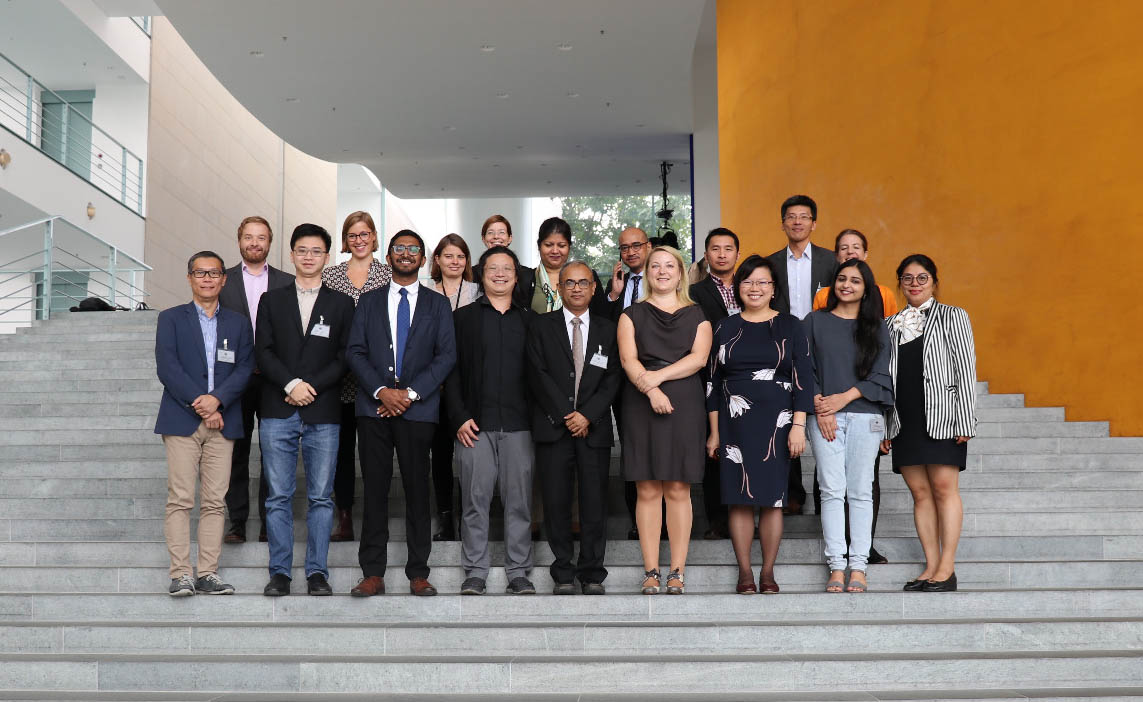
949 373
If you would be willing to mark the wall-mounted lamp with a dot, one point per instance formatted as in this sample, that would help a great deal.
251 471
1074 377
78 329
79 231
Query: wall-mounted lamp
90 211
5 158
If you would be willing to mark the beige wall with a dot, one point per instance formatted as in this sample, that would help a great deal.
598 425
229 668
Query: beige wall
211 163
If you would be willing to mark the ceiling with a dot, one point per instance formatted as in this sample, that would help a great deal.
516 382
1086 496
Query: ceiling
472 98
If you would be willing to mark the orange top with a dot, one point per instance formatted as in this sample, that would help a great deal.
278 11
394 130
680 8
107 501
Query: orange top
888 300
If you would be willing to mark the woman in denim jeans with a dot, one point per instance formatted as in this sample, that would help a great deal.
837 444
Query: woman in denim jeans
849 349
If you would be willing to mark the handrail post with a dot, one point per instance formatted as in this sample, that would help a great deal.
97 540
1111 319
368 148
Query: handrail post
30 108
65 113
123 178
47 291
111 262
140 186
134 302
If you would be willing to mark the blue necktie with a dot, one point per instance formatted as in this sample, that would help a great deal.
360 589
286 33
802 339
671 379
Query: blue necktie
402 328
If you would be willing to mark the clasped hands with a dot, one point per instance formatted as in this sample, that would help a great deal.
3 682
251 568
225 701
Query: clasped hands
394 402
206 406
301 395
648 383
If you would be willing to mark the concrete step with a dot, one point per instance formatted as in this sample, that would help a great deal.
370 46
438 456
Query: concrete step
32 397
111 366
1042 463
73 337
116 375
1041 429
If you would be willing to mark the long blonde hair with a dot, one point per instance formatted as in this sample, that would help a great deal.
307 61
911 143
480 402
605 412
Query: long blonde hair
683 291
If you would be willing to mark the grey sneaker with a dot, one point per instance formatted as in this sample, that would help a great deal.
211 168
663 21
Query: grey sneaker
520 586
182 586
213 585
563 589
472 586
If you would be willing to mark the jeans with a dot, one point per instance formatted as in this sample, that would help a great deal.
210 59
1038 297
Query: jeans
280 439
845 470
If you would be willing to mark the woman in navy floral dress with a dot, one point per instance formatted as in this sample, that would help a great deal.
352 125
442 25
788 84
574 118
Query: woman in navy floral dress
760 389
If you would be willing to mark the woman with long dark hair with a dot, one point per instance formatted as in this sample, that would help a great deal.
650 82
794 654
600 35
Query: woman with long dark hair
933 363
849 351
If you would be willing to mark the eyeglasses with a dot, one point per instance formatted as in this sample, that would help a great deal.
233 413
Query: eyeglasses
307 253
921 279
402 248
636 247
573 284
757 283
214 274
798 218
358 236
499 270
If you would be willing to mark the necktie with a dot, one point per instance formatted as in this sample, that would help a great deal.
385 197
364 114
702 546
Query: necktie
577 351
402 328
635 286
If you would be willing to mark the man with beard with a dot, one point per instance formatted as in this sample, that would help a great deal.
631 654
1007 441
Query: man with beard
244 286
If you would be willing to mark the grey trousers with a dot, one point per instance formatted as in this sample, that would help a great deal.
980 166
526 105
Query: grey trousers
505 458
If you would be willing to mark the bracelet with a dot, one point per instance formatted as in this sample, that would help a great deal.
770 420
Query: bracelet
798 425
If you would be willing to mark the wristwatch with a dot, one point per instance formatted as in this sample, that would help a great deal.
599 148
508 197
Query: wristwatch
413 396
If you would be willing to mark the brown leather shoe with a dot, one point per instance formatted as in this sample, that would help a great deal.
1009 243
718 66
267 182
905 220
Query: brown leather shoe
421 587
369 586
236 535
344 530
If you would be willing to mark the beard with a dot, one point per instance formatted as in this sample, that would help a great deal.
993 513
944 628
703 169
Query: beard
255 258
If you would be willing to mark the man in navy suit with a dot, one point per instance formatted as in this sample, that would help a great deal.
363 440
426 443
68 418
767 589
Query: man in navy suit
204 355
401 348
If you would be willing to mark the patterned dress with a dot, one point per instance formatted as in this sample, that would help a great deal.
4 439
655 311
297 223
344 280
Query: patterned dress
760 374
337 278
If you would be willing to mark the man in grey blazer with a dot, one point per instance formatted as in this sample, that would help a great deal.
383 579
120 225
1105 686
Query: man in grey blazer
800 269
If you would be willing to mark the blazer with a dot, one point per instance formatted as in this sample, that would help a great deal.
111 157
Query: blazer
551 373
430 352
616 306
823 263
526 290
706 295
233 294
180 357
284 352
464 387
949 373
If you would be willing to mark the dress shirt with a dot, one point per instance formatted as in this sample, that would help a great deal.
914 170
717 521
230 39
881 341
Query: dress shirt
799 272
631 288
586 319
394 301
255 285
727 294
209 326
306 299
504 405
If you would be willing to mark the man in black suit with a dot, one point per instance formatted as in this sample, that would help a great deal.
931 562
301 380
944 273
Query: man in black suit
715 294
401 348
302 333
245 285
573 364
800 269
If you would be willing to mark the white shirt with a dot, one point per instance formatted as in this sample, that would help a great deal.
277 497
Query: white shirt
631 292
799 273
394 301
570 328
306 299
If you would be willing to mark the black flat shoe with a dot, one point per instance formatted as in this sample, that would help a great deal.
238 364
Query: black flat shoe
875 557
279 586
940 585
914 585
318 586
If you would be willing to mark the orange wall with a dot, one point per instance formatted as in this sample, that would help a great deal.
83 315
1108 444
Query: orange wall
1001 137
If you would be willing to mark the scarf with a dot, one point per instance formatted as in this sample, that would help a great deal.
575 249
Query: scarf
555 302
910 322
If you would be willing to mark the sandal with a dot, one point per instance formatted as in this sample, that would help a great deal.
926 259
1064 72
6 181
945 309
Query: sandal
676 576
856 585
651 575
836 585
746 585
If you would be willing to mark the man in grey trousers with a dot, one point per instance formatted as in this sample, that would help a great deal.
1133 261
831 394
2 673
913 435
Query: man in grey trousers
488 404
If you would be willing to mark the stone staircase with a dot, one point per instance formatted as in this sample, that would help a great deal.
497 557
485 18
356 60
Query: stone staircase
1050 568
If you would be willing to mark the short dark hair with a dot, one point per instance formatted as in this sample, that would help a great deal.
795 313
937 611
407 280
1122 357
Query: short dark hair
752 263
554 225
490 252
204 254
850 232
409 232
720 231
307 229
921 260
802 200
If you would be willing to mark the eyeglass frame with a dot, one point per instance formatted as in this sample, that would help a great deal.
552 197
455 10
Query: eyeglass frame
213 274
909 279
402 248
637 246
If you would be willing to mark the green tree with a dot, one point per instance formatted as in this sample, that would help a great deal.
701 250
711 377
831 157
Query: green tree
597 220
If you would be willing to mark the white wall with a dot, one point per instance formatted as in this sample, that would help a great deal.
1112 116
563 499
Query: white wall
120 34
704 85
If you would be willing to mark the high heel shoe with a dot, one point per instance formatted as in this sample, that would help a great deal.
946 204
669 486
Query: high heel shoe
940 585
677 577
651 575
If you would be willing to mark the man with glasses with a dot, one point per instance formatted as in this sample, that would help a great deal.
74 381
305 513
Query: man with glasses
800 270
300 348
245 285
574 372
204 355
401 349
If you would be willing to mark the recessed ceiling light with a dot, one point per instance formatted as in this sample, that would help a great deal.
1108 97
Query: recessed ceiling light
579 146
487 48
502 95
519 146
416 185
549 182
544 165
564 46
638 180
345 151
450 128
257 54
640 126
496 165
462 148
121 77
292 99
573 94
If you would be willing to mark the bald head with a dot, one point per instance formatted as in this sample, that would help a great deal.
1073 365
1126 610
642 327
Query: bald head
633 248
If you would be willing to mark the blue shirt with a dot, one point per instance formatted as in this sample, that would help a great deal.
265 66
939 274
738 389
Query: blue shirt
799 273
209 327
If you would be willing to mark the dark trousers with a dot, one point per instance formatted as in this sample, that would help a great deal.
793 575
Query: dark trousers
560 464
876 498
716 512
795 492
443 440
630 492
238 494
345 477
412 440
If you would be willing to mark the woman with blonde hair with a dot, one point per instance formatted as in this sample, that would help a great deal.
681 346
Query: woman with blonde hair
664 340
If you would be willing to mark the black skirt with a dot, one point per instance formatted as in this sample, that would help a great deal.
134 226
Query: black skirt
913 446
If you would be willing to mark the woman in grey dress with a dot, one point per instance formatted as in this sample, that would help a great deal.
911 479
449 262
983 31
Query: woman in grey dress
664 340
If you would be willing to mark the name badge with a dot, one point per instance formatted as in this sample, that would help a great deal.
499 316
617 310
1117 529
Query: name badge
225 354
599 360
320 329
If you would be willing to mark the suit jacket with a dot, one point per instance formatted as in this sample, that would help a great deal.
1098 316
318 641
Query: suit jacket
233 294
283 353
551 373
949 368
705 293
616 307
180 357
526 289
430 352
822 266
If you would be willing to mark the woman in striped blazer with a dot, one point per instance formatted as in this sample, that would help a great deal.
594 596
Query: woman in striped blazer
933 363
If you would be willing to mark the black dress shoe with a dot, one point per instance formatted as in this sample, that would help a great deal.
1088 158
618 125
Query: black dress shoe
593 589
563 589
633 534
318 586
447 532
875 557
940 585
278 586
914 585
